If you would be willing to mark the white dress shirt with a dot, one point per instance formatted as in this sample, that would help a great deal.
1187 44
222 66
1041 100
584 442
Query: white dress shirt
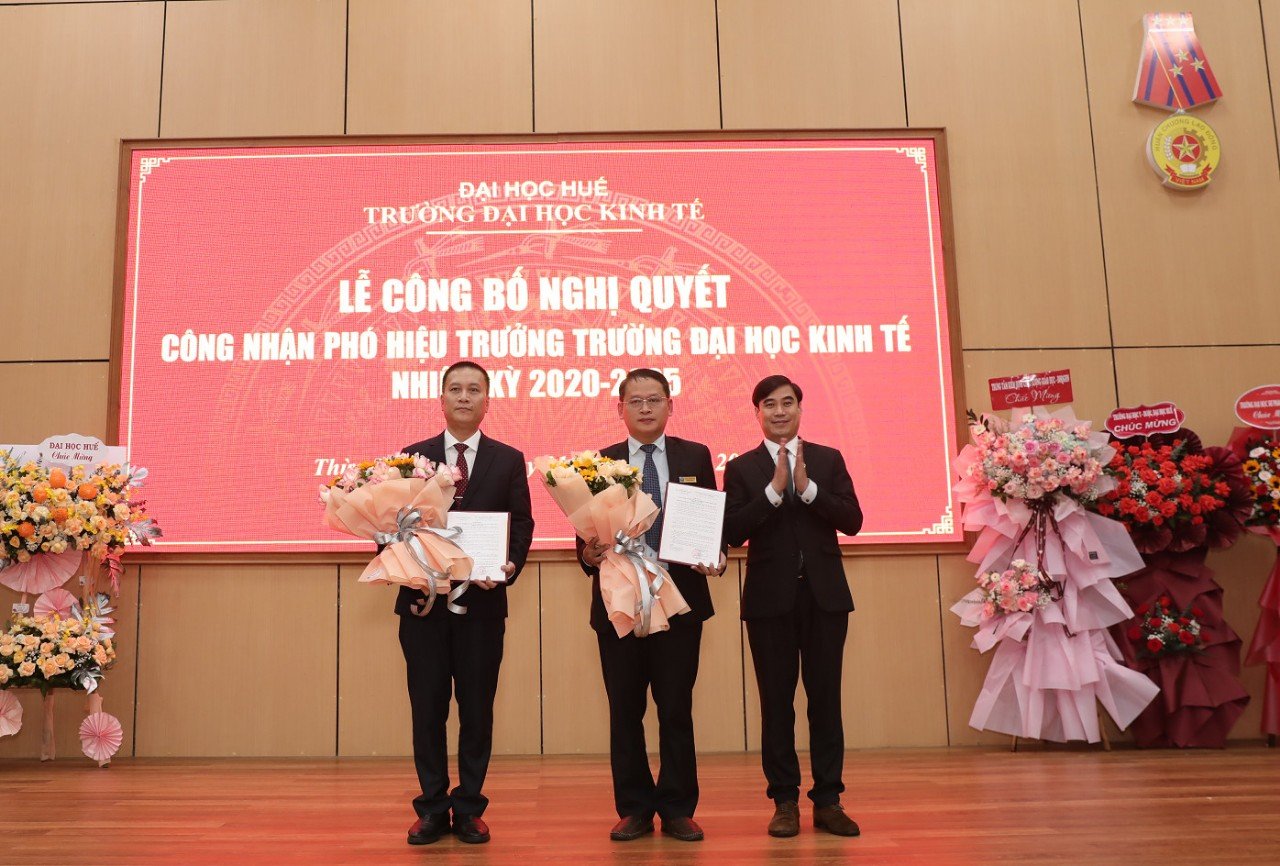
775 498
451 450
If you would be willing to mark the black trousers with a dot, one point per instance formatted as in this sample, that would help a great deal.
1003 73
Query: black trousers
445 653
667 663
807 642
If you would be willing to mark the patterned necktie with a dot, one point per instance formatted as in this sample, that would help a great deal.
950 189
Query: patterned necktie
650 484
785 454
460 487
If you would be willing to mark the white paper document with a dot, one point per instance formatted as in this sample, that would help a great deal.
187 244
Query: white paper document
692 523
484 538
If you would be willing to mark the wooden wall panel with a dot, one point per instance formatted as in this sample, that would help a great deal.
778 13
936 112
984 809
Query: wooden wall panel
1204 382
1007 81
625 64
237 660
73 81
239 68
893 680
373 704
1092 377
517 727
1193 251
801 64
476 74
57 398
575 710
1271 36
70 706
893 661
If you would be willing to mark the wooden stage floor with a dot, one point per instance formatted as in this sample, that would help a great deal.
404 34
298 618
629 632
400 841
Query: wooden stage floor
1063 805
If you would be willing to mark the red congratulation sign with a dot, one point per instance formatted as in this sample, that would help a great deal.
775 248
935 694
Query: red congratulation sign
1126 423
1032 389
1260 407
289 310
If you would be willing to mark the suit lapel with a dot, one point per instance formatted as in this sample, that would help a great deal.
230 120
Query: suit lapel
764 463
434 449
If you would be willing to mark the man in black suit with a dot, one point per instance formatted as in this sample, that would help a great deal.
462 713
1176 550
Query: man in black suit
448 652
666 661
789 499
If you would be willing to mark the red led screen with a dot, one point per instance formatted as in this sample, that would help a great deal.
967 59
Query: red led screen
287 309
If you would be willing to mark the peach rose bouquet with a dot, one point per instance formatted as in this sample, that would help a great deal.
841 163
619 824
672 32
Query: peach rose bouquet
602 499
401 502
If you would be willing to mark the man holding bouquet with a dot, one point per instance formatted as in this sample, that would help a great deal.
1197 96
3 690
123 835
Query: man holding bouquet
789 499
666 661
451 653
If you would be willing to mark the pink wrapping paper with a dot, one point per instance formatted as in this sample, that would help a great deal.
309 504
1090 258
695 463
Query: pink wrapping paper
372 509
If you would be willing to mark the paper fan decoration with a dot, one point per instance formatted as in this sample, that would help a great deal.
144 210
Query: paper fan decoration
57 601
42 572
10 714
101 736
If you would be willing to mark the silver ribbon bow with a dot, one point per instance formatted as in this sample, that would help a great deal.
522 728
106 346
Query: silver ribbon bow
408 526
87 679
635 550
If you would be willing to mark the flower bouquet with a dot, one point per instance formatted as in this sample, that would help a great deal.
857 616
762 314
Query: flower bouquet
1177 499
52 517
1046 567
1259 451
401 502
47 652
603 500
1162 629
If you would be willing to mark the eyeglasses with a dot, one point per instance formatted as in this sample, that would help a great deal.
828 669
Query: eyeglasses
638 403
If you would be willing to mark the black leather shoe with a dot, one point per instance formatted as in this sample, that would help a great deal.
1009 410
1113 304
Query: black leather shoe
833 819
684 829
785 821
631 827
470 829
428 829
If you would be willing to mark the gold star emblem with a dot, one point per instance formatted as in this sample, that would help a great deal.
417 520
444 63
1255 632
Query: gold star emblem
1182 56
1198 65
1176 70
1186 149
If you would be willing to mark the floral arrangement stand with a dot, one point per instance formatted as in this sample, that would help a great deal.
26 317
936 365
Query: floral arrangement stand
1046 569
55 520
1259 452
1178 499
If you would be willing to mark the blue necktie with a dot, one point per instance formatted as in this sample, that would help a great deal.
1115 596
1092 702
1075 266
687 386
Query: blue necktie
650 484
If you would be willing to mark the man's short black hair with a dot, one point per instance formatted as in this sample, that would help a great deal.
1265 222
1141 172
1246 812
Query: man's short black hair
769 384
464 365
644 373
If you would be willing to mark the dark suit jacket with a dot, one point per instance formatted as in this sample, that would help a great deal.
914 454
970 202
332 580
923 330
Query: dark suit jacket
498 482
779 535
685 459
